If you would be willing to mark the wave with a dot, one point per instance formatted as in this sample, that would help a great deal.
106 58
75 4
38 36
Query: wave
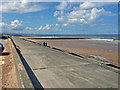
47 37
98 39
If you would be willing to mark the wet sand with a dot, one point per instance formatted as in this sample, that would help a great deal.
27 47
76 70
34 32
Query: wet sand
84 47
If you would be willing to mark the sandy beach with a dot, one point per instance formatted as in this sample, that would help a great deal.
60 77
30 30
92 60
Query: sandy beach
84 47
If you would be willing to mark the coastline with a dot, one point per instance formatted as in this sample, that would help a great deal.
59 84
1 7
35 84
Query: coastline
82 47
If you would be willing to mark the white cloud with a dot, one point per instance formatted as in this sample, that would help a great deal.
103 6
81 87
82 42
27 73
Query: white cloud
28 28
83 21
65 24
17 25
62 6
87 5
95 13
40 27
62 18
56 24
20 7
47 27
90 4
87 13
72 20
2 24
56 13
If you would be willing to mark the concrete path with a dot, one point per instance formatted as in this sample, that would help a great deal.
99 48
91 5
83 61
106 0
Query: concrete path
55 69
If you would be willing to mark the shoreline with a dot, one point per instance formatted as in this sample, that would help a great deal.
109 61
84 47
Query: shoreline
84 48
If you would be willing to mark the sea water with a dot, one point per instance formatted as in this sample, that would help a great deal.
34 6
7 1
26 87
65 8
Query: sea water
97 38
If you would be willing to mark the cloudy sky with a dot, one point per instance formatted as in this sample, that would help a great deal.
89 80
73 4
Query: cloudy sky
59 17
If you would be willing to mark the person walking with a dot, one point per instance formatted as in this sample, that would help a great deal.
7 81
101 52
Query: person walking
43 43
46 44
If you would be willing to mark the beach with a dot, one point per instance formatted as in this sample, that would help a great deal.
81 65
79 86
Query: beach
109 51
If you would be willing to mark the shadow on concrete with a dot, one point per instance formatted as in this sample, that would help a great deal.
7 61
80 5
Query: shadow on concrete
30 73
32 76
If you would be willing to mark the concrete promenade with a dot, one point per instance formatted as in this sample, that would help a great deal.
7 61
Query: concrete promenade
54 69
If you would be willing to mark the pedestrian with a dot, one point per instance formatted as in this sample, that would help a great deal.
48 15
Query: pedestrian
46 44
43 43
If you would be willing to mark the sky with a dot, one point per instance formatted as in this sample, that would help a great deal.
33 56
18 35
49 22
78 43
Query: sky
59 17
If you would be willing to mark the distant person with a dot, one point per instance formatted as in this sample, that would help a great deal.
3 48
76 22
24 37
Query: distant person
43 43
46 44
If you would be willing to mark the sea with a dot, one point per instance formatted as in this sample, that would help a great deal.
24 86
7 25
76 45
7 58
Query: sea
115 39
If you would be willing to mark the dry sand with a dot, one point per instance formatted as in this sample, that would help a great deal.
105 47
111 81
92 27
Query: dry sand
83 47
9 79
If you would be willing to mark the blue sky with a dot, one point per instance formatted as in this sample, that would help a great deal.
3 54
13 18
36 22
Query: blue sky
59 18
